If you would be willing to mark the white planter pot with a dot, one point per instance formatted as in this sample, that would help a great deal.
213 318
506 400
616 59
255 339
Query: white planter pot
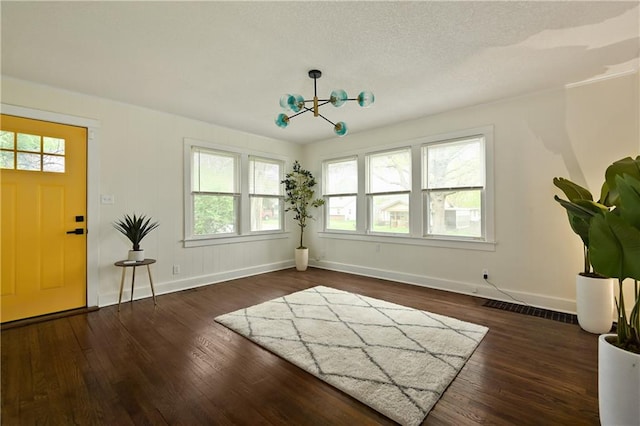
618 384
594 302
302 259
137 255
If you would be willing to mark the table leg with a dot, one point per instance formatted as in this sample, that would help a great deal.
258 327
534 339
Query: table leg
121 286
153 292
133 280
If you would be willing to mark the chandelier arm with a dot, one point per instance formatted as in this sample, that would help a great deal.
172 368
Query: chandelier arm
332 123
301 112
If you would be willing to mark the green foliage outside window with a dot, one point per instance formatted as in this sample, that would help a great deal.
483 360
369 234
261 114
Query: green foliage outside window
213 214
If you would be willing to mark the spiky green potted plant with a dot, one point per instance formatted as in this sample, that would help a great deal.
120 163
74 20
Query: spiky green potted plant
135 228
299 198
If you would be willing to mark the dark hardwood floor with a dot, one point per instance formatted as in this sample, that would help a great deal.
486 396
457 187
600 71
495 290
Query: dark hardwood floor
173 364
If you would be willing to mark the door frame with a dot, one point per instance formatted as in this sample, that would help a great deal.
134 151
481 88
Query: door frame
93 185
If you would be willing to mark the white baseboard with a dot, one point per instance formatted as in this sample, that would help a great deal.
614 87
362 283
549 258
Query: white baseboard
479 289
142 288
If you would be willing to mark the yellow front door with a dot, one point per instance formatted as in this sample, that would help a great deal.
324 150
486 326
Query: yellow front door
43 174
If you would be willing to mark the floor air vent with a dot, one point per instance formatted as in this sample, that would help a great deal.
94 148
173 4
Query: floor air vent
530 310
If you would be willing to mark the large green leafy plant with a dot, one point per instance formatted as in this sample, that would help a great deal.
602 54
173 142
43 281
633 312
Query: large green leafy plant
610 230
615 252
135 228
580 209
299 193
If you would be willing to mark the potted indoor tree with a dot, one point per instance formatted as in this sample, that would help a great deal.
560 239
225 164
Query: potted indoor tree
299 193
135 228
594 292
615 252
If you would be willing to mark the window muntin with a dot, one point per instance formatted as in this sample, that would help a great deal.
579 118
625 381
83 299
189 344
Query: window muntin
453 187
265 194
215 192
22 151
388 191
340 186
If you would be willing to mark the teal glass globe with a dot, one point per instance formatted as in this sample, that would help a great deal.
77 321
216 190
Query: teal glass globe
284 101
295 102
365 99
338 98
340 128
282 120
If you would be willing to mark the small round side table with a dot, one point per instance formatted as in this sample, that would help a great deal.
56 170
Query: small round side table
124 264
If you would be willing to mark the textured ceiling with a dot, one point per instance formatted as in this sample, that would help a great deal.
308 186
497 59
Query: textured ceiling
228 63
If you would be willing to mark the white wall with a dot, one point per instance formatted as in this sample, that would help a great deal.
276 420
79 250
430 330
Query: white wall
575 133
140 163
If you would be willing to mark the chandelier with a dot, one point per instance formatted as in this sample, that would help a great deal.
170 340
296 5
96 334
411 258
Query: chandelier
297 104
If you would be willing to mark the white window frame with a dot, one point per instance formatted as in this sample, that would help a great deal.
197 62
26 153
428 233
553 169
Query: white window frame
327 196
243 230
279 197
426 191
235 193
417 234
370 195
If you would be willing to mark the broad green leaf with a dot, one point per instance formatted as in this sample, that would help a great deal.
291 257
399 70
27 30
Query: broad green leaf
583 208
629 192
580 214
573 191
628 166
614 247
604 194
580 226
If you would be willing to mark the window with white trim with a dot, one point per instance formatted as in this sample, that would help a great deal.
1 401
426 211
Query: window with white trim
215 192
231 194
340 193
436 191
453 188
265 194
388 191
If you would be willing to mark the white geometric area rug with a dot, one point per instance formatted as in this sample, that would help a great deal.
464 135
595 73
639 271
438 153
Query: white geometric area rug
395 359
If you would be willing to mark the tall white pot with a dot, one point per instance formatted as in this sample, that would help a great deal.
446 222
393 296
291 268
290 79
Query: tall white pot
618 384
302 259
594 302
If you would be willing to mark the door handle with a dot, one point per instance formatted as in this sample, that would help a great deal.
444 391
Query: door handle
77 231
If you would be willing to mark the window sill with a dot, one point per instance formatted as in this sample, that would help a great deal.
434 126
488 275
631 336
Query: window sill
234 239
413 241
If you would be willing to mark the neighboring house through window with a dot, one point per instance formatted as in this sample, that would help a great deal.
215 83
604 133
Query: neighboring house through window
340 194
388 190
436 191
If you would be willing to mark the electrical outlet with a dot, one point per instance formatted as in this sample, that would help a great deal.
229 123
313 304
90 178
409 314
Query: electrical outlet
176 269
107 199
485 274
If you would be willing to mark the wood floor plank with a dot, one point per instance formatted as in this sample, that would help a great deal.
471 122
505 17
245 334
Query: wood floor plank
172 364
